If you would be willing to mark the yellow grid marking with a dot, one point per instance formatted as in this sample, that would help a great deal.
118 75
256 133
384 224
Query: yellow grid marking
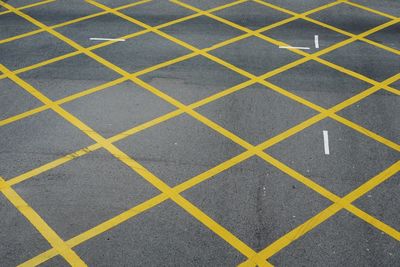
344 203
129 36
370 10
189 207
151 178
59 25
305 17
28 6
49 234
251 149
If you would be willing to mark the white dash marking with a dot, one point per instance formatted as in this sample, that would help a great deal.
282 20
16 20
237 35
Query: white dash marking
294 47
107 39
326 142
316 41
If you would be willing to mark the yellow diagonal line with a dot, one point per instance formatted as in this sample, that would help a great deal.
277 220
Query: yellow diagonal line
371 10
49 234
28 6
345 202
394 91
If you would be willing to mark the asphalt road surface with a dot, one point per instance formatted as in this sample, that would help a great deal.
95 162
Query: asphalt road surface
199 133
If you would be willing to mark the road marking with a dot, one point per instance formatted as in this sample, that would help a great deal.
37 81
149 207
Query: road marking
107 39
295 47
326 142
316 41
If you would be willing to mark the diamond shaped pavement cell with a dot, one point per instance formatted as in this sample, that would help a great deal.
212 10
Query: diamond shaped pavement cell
31 50
156 239
105 26
69 76
342 240
252 15
353 158
193 79
84 192
157 12
256 202
388 36
299 6
255 55
302 33
13 25
185 149
256 113
20 241
118 108
207 4
318 83
377 113
36 140
366 59
349 18
383 202
15 100
61 11
141 52
202 32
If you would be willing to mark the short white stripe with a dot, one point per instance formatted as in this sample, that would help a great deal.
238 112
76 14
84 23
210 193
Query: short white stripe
107 39
316 41
294 47
326 142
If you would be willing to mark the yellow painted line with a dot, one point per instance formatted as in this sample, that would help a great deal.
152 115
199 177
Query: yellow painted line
23 35
392 90
374 222
371 10
345 202
22 115
44 229
366 132
28 6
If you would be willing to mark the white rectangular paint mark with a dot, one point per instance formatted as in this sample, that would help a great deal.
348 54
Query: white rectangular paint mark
107 39
326 142
316 41
294 47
